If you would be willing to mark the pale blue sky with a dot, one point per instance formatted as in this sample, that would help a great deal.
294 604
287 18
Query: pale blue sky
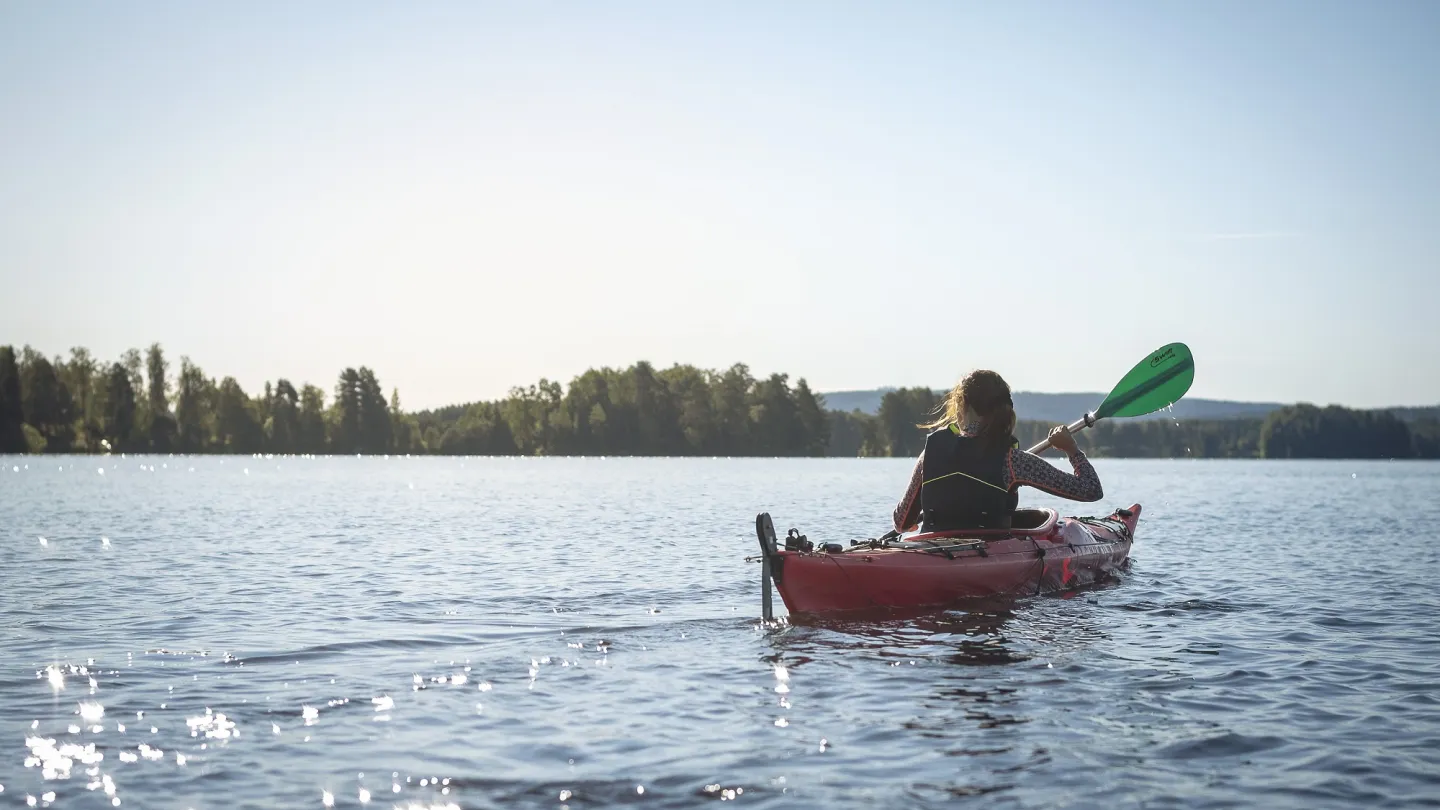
469 196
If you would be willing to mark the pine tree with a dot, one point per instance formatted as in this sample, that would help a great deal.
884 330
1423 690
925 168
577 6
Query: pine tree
194 408
814 437
82 376
376 432
161 428
46 400
284 419
346 437
12 409
310 429
134 363
237 428
118 420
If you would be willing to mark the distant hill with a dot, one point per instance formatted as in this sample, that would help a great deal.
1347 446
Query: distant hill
1412 414
863 401
1068 407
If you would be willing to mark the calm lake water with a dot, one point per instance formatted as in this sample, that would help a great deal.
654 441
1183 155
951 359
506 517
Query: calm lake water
446 632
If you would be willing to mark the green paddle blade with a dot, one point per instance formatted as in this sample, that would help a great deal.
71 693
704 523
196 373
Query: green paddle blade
1158 381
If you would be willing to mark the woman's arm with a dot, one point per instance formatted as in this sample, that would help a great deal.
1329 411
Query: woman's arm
907 513
1031 470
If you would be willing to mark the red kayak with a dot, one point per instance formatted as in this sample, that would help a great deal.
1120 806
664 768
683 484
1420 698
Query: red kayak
1041 553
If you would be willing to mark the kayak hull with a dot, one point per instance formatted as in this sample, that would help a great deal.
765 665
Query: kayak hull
1057 555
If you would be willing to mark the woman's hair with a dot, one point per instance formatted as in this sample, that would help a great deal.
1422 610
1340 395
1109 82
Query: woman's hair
988 395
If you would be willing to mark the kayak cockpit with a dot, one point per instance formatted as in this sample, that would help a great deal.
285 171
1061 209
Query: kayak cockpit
1024 522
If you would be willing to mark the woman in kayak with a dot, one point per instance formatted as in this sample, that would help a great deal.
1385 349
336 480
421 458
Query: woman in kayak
967 474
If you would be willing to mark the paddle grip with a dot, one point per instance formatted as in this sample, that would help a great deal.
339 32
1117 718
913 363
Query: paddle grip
1088 420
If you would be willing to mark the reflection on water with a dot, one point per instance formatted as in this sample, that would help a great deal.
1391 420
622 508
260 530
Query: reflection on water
440 633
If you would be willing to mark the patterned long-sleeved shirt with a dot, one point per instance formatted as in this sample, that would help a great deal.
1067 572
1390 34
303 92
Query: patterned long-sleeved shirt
1022 468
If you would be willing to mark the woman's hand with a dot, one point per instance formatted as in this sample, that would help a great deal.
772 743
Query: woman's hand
1061 440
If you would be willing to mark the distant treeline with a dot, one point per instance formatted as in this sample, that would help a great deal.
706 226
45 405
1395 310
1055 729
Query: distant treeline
1295 431
134 405
678 411
79 405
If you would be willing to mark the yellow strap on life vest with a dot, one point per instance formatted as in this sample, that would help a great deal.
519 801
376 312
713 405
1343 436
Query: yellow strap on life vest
967 475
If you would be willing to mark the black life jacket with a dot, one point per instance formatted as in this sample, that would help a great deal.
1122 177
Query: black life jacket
964 485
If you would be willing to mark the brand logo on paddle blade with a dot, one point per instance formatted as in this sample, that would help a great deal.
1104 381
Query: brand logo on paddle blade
1168 354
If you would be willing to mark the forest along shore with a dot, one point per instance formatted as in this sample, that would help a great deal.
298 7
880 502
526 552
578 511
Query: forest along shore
78 404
